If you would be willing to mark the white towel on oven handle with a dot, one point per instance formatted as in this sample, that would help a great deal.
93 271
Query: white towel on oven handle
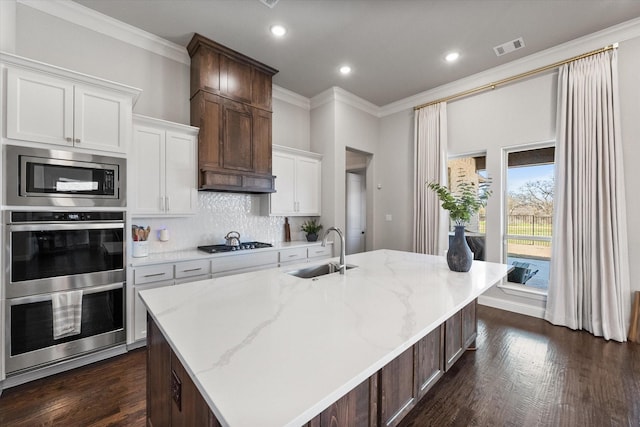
67 313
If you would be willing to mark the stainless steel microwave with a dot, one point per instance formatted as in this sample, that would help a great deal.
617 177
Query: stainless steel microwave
43 177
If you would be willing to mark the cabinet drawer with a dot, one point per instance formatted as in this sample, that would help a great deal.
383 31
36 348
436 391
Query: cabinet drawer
154 273
192 268
293 254
237 262
192 279
320 252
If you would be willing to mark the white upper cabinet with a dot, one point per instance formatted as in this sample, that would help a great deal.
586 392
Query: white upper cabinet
50 105
298 182
163 168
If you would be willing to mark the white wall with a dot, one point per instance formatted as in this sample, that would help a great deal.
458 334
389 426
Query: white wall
291 124
521 113
340 120
164 82
395 176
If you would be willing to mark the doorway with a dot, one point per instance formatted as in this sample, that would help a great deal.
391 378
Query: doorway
356 201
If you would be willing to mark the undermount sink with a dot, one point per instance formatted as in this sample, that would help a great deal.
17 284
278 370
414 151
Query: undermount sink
318 270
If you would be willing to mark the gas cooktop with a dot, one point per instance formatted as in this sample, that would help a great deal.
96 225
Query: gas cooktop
212 249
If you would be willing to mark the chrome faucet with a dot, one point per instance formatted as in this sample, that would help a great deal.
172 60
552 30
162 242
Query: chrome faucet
342 266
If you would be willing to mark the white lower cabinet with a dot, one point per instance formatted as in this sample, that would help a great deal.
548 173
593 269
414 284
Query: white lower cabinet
292 256
164 168
160 275
235 264
140 311
320 252
179 272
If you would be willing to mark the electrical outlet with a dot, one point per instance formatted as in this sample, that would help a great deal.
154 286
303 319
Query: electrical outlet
388 217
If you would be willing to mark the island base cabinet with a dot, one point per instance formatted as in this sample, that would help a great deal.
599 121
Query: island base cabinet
172 397
460 333
158 377
358 408
384 399
429 360
398 391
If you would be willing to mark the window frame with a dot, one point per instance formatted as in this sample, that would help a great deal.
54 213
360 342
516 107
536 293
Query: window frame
510 288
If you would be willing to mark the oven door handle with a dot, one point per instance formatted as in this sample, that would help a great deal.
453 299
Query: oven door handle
47 297
65 227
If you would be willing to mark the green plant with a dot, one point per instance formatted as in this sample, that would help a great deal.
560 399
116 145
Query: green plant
311 226
466 202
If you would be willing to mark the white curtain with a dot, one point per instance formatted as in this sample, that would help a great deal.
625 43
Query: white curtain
589 284
430 227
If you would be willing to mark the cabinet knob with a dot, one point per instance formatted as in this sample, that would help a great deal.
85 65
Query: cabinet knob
68 139
77 140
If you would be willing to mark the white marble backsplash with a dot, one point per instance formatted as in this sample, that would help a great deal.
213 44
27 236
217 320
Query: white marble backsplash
218 214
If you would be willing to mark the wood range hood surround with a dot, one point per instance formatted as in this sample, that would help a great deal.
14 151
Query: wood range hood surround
231 104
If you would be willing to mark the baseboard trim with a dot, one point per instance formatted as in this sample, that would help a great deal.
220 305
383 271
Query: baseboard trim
515 307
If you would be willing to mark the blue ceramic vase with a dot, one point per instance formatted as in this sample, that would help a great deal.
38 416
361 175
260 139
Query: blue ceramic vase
459 255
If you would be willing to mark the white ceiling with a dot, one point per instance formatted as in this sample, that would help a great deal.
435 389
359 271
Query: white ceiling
395 47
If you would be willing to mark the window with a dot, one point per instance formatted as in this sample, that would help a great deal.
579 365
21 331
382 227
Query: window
529 209
470 169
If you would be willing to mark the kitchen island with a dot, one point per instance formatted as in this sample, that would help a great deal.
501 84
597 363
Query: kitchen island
270 349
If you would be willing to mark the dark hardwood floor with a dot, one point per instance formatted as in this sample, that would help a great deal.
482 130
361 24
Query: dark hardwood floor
525 372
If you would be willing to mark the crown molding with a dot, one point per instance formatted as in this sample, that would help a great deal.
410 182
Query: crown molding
290 97
338 94
618 33
103 24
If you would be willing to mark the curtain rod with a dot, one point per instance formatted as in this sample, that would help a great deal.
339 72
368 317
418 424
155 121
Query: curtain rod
516 77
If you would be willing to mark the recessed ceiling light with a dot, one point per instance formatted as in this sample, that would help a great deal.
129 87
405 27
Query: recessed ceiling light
278 30
345 69
451 57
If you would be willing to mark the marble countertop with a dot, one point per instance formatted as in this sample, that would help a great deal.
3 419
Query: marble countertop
270 349
195 254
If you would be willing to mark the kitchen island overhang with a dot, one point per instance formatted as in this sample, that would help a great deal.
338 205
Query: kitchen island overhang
267 348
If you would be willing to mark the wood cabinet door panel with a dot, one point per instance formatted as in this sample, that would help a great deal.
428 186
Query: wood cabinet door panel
261 90
235 79
398 388
352 410
453 340
206 113
469 324
205 70
429 360
238 142
262 147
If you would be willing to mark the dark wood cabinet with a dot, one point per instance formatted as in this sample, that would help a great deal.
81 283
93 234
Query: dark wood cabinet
382 400
460 333
172 397
158 377
398 388
429 360
469 325
358 408
231 104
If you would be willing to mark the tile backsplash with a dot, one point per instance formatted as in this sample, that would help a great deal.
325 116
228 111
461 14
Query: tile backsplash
218 214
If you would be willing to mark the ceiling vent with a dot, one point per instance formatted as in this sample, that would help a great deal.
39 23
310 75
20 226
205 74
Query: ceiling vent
508 47
269 3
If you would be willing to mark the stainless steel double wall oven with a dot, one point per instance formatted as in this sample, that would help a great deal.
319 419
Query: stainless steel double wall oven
78 243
